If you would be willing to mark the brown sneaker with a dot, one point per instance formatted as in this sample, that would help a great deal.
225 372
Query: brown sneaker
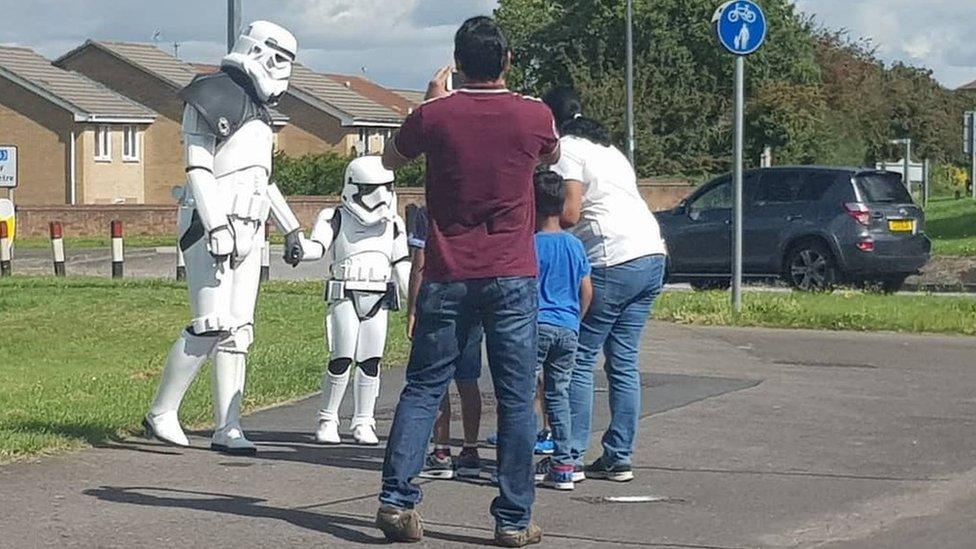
519 538
400 525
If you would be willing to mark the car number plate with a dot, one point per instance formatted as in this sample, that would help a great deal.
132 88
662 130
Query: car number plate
901 225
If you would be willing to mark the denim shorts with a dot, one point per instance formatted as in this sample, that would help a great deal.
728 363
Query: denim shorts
468 368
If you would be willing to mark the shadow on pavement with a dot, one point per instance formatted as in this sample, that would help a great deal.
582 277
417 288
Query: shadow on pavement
343 527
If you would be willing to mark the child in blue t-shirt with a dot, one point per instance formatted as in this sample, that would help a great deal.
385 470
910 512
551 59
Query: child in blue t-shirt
564 295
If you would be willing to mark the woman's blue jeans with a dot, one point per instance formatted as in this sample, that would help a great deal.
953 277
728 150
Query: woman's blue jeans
623 296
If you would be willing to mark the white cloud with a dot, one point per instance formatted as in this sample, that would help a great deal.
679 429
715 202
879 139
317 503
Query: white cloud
931 33
397 42
401 42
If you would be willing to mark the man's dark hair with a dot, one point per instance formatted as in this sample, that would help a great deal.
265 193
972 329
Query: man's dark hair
481 49
550 193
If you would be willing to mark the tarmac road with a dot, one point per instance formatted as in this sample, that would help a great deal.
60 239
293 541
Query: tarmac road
161 263
751 438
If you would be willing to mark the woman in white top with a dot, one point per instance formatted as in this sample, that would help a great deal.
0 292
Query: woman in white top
624 245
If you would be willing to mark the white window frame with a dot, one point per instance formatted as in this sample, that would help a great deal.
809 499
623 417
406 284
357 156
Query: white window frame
131 141
103 143
364 139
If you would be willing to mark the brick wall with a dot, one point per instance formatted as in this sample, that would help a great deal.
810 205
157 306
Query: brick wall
160 219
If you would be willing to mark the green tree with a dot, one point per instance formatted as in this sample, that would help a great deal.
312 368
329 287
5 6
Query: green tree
814 95
322 174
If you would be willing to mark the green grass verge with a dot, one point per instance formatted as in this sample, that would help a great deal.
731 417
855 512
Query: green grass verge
80 358
952 226
837 311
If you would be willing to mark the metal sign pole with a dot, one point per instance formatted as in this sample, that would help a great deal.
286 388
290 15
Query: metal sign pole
631 146
907 166
233 22
972 152
740 100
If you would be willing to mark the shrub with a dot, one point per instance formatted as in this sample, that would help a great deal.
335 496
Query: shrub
321 174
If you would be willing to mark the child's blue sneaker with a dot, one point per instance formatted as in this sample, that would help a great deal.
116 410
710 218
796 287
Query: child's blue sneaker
544 444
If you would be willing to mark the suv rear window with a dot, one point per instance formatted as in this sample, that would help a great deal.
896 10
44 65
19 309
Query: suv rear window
883 187
784 187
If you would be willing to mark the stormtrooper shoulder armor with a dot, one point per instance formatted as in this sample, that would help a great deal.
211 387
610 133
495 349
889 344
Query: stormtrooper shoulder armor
223 104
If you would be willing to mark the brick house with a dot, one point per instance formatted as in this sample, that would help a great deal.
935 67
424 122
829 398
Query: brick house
328 115
78 141
152 77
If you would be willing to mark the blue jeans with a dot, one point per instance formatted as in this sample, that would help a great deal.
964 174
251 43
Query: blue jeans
623 296
557 358
447 315
468 368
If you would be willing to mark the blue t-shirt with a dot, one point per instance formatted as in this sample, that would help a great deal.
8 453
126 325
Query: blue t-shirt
562 268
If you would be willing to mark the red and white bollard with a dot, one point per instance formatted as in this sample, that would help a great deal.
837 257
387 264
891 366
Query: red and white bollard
117 249
4 250
57 246
266 253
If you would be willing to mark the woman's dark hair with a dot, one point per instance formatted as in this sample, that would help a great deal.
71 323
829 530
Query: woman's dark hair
565 105
481 49
550 193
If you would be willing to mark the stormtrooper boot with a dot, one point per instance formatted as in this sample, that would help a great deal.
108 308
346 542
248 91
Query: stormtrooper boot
367 389
184 361
228 395
333 389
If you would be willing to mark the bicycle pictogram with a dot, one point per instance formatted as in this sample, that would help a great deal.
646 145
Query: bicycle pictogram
741 11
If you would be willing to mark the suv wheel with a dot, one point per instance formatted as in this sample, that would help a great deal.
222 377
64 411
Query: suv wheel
810 267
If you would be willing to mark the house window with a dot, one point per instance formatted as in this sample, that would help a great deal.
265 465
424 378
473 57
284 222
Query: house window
130 144
364 139
103 144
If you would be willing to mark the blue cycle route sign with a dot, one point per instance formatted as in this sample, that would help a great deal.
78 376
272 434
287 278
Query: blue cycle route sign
741 26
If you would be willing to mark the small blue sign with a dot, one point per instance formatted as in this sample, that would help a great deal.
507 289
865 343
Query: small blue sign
741 26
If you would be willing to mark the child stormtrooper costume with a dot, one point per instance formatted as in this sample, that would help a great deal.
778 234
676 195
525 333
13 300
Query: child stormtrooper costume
223 209
365 242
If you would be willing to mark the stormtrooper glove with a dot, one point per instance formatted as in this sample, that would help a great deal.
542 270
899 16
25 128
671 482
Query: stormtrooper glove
294 252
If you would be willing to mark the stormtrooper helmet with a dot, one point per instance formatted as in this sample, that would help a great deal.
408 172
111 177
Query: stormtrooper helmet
367 192
265 52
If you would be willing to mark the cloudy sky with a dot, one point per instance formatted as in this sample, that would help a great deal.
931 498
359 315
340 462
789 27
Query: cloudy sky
401 42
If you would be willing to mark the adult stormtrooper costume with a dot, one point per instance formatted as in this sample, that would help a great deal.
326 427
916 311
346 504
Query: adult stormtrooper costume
365 242
223 209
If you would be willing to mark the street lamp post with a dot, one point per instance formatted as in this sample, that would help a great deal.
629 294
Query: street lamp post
631 146
233 22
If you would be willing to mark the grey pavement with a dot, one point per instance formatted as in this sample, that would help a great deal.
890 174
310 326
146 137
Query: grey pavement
750 438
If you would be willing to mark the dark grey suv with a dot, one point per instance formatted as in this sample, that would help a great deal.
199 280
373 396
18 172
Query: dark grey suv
812 226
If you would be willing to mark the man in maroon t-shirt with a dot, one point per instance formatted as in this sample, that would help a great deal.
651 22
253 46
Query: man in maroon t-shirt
482 144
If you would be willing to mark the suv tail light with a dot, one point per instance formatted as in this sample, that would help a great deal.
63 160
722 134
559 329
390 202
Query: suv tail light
859 212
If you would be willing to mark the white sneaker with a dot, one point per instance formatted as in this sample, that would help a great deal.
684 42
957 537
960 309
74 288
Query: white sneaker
365 434
165 428
233 442
328 432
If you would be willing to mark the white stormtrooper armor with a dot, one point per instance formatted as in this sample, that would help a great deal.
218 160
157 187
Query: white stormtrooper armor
223 209
365 242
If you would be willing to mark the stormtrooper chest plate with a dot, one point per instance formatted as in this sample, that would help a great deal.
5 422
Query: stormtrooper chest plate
361 253
249 147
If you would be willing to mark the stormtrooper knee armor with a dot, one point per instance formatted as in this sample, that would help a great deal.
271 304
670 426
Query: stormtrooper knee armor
366 245
228 142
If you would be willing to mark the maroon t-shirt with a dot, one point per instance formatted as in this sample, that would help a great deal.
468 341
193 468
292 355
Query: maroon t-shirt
482 148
